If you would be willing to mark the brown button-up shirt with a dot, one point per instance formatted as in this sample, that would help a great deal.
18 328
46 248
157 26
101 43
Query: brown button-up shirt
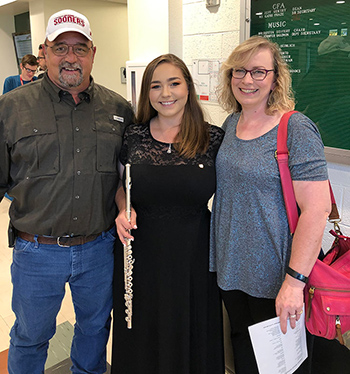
58 160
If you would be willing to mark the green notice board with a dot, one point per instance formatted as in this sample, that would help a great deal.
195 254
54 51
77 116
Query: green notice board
313 36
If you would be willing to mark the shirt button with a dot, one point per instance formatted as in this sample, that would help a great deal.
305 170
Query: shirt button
75 218
35 130
75 108
77 128
77 197
78 150
78 172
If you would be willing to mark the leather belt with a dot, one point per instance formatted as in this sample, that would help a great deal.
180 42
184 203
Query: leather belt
62 241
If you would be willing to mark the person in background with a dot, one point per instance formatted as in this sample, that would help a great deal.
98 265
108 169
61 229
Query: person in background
41 63
28 67
60 141
256 259
176 312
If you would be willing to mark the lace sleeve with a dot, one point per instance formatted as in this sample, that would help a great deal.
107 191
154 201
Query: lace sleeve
216 136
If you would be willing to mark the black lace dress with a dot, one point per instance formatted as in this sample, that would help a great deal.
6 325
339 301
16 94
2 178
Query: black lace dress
177 317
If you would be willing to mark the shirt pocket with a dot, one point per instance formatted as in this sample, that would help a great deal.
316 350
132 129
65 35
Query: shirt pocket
109 137
35 151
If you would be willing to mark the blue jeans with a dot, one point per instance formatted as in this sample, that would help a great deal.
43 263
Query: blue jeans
39 274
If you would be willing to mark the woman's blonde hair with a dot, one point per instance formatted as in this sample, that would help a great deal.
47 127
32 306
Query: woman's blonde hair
193 136
281 98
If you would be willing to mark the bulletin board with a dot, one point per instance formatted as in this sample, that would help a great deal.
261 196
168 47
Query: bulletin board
314 39
23 45
205 73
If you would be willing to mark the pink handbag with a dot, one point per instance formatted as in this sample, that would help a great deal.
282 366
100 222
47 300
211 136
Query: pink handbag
327 293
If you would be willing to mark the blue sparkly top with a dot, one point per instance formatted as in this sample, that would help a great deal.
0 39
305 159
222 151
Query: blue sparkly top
250 240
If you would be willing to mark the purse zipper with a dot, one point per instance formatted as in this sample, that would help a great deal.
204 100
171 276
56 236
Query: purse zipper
311 296
338 330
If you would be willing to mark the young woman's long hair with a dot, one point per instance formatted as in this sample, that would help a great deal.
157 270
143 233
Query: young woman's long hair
281 97
193 136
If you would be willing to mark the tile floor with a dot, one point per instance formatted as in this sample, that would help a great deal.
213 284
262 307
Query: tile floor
66 313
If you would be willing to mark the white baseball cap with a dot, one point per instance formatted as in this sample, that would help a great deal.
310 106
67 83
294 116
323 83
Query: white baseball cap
65 21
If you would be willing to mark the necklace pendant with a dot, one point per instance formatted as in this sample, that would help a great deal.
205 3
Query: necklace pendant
169 149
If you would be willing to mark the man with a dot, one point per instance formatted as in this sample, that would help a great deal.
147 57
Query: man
28 67
41 63
61 138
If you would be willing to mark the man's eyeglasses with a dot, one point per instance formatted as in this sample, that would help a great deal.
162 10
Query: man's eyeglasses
30 70
62 49
256 74
40 58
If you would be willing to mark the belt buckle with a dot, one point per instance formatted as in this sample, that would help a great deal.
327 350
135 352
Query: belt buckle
62 245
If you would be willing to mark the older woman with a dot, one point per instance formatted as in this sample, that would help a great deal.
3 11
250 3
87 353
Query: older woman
251 247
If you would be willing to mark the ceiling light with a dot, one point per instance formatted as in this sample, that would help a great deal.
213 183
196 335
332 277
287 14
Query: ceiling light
4 2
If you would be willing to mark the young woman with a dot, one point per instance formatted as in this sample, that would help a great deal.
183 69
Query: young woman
251 246
176 320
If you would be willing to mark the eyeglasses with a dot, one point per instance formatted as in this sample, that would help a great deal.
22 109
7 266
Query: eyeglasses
30 70
256 74
62 49
40 58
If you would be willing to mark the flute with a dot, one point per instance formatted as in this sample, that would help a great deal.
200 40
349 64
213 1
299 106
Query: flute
128 259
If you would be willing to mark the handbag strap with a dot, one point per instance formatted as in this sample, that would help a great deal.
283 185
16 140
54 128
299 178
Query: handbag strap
282 156
334 216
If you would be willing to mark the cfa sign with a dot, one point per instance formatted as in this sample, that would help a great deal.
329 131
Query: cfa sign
278 6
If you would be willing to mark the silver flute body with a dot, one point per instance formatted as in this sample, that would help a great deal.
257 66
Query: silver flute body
128 259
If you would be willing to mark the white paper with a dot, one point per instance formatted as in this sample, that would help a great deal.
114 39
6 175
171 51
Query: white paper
275 352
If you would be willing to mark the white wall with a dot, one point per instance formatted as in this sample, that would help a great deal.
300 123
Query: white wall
214 33
176 27
339 176
210 33
148 29
37 23
8 60
155 28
